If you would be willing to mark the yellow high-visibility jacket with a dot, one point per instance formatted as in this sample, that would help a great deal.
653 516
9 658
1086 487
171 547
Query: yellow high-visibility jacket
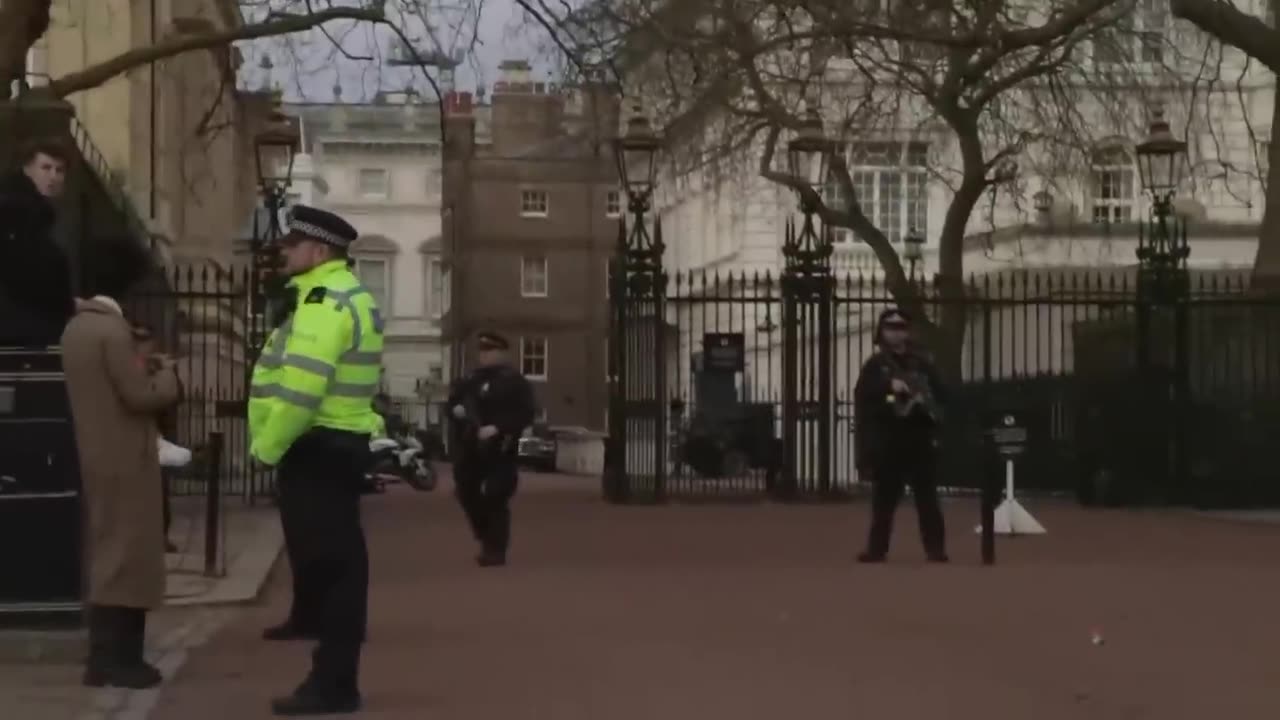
321 367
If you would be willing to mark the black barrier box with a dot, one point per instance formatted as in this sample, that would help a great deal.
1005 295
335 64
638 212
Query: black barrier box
40 503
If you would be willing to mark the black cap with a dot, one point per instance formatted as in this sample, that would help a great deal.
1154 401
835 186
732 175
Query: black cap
308 223
488 340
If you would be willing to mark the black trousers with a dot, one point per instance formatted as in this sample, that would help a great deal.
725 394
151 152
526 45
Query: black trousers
166 480
319 479
914 467
485 488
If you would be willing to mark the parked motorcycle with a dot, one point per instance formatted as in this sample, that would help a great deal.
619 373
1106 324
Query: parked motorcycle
399 459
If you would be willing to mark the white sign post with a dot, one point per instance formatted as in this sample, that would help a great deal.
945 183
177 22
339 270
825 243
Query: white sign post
1010 517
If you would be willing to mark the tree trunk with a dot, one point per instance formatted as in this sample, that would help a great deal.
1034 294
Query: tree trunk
22 23
1266 263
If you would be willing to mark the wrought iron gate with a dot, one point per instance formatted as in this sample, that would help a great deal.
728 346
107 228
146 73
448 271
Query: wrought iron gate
740 385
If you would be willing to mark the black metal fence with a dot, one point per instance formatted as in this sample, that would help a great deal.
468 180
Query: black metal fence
741 385
205 317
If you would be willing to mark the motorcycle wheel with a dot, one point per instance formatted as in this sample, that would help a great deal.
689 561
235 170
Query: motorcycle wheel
421 476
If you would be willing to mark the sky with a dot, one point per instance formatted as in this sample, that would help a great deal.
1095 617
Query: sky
307 66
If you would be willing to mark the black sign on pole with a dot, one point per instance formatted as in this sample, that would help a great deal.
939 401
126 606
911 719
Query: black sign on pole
1007 438
724 352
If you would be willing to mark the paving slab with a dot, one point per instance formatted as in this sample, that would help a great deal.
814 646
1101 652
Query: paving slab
40 669
758 612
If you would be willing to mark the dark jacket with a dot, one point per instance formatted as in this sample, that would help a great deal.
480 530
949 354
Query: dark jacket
497 396
880 432
35 278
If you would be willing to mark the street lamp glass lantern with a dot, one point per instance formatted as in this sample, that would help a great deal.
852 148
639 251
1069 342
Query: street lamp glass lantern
913 246
809 152
1161 158
275 148
637 156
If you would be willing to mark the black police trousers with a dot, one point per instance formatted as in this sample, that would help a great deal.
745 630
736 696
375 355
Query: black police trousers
912 464
320 488
485 488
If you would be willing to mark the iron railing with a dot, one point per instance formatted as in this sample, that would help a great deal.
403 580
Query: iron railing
1105 404
203 316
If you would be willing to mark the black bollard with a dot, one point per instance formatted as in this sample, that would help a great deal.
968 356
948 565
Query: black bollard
212 503
990 498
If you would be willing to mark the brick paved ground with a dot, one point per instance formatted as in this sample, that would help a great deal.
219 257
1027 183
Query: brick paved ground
755 612
51 690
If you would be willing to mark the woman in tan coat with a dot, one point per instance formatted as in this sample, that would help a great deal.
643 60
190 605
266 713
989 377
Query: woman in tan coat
114 402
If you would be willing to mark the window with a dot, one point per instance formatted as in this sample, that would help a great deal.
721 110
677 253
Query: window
533 203
533 276
613 204
1137 37
374 183
533 357
891 183
1113 180
1264 158
836 200
375 276
437 288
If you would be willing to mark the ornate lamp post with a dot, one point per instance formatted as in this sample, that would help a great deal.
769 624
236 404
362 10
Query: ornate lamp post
913 251
637 156
809 159
1163 288
275 148
637 314
807 297
1162 241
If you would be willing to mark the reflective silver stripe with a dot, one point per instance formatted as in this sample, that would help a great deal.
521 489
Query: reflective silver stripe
345 300
361 357
276 343
293 397
319 367
356 390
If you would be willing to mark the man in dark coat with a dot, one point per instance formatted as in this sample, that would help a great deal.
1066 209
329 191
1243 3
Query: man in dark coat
35 278
490 408
897 404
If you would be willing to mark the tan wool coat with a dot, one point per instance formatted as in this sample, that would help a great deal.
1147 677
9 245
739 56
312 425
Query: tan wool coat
114 403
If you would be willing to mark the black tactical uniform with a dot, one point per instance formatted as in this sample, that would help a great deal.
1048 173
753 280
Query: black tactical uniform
485 469
896 442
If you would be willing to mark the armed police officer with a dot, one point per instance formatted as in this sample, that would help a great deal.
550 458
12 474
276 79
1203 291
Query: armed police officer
897 403
310 415
490 408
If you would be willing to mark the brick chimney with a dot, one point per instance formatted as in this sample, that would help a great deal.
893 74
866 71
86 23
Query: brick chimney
525 113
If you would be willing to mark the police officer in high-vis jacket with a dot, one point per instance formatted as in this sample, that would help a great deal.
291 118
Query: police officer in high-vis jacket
310 416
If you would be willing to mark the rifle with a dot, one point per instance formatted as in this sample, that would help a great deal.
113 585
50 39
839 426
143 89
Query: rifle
919 391
469 426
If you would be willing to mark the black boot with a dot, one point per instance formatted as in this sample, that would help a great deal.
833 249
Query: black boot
138 644
491 558
332 688
289 630
116 639
306 701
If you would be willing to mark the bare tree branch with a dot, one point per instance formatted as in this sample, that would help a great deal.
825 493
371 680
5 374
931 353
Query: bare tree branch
282 24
